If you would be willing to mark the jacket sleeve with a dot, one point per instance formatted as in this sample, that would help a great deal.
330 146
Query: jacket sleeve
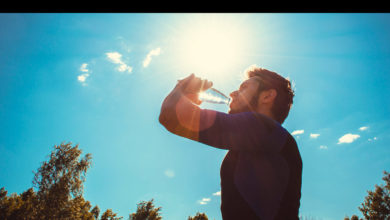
246 131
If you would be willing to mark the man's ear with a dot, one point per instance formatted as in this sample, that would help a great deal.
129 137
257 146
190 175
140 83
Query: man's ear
268 96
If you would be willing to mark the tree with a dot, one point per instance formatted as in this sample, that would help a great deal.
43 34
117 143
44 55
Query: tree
146 211
17 206
199 216
377 203
59 182
109 215
354 217
95 212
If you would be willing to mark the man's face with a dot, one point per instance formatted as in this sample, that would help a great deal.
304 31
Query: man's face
241 98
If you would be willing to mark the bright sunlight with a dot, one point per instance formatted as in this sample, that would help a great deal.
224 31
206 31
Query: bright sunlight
211 45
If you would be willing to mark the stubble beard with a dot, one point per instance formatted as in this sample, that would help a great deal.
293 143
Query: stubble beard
239 110
246 108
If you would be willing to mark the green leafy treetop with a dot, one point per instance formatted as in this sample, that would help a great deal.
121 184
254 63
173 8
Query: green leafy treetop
59 182
377 204
109 215
354 217
95 212
199 216
146 211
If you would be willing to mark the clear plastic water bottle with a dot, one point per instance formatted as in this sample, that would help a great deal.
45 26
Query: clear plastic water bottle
214 96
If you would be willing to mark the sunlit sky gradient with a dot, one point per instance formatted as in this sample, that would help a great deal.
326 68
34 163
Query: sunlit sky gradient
98 80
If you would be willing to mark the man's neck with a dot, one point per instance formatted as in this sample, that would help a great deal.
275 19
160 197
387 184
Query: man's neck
266 112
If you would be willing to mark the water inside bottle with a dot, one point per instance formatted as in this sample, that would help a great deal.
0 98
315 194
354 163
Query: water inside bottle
214 96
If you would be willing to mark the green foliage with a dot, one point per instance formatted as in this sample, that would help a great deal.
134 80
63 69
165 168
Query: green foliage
63 175
18 206
95 212
59 182
109 215
377 203
354 217
146 211
199 216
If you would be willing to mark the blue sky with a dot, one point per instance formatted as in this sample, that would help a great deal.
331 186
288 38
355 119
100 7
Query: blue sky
98 80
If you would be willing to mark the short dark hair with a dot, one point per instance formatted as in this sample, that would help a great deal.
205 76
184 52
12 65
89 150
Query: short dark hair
271 80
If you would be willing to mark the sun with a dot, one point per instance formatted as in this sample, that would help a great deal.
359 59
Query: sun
211 45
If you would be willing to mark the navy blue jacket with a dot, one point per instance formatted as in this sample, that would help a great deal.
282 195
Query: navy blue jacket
269 167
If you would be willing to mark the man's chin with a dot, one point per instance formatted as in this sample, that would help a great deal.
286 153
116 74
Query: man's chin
235 111
232 110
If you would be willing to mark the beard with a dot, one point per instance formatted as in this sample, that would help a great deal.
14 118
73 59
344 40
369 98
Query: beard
246 108
239 110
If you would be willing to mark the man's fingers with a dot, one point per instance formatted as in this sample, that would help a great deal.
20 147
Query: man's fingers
193 84
206 85
187 79
198 85
184 82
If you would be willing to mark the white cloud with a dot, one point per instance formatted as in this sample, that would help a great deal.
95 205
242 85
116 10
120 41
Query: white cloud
296 132
169 173
348 138
83 77
363 128
323 147
217 193
314 135
204 201
83 68
148 58
116 58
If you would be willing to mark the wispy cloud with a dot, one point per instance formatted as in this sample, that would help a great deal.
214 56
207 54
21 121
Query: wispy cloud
217 193
204 201
116 58
83 77
169 173
314 135
84 68
297 132
323 147
373 139
363 128
348 138
148 58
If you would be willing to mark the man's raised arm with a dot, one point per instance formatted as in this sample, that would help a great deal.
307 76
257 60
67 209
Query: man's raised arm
180 113
246 131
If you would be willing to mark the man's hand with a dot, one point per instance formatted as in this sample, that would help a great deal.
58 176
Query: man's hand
191 86
180 113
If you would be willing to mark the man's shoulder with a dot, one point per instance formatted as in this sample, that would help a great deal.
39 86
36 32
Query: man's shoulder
291 149
272 124
291 142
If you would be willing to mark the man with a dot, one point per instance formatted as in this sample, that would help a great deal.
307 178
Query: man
262 171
